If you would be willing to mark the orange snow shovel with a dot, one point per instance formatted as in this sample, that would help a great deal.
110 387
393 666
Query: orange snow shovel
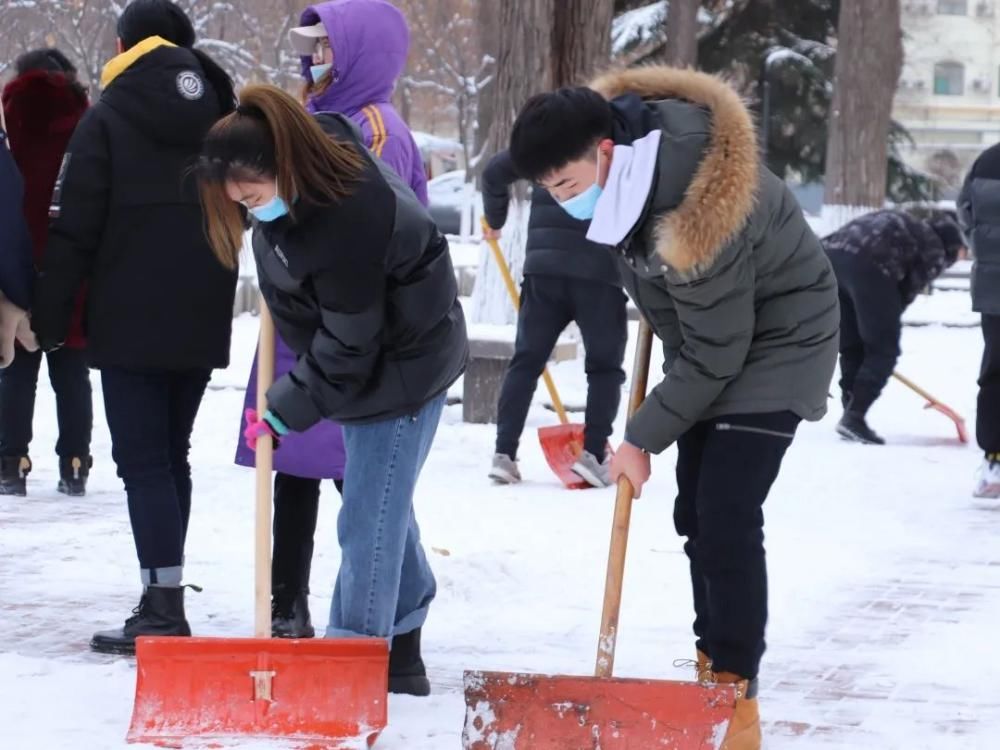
516 711
562 444
933 403
317 693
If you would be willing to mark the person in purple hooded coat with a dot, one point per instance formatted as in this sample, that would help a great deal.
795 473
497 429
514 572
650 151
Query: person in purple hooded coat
352 53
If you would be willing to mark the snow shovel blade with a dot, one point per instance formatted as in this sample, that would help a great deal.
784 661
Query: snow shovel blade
954 416
562 444
316 693
511 711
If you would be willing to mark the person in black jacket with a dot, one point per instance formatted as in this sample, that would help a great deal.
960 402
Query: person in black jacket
883 260
979 214
567 278
361 287
16 271
126 220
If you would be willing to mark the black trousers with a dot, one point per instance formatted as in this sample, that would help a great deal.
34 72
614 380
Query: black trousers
296 508
871 311
151 414
70 380
548 305
988 408
725 469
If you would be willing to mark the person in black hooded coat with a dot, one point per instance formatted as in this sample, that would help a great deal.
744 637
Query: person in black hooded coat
126 220
882 260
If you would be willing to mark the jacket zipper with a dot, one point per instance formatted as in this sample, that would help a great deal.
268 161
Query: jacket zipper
727 427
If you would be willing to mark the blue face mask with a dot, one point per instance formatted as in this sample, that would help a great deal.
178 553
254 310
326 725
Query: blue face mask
318 71
273 210
581 207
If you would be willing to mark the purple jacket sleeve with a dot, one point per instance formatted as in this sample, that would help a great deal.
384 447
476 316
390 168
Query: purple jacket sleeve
398 150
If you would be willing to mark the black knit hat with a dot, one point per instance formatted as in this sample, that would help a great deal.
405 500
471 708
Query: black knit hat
142 19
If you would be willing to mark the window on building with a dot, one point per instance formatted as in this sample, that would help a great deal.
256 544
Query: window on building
949 79
953 7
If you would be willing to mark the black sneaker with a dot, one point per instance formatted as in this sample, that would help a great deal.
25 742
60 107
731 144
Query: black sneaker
160 613
852 426
407 674
290 615
73 473
14 472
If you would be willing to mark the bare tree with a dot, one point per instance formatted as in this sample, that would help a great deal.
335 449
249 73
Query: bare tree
581 40
448 63
869 60
682 33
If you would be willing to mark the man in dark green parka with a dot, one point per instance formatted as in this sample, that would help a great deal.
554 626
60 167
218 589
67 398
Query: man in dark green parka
716 253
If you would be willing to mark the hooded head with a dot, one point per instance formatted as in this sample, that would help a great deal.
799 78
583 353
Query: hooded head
946 227
370 41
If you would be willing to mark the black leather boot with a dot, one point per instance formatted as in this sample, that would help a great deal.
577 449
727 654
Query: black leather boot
73 473
407 674
290 614
852 426
160 613
14 472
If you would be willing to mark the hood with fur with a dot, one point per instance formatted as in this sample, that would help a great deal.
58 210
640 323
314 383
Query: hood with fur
722 192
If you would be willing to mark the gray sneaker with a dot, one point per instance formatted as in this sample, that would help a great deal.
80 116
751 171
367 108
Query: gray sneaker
504 470
592 471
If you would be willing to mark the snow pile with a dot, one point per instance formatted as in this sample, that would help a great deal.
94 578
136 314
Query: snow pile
639 27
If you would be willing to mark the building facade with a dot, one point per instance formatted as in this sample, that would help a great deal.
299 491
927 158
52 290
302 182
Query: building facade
949 91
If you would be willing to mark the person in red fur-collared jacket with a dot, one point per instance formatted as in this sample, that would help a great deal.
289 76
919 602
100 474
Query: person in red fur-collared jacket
44 103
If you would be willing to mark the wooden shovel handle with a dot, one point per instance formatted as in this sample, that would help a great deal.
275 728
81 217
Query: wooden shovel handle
508 281
622 519
265 465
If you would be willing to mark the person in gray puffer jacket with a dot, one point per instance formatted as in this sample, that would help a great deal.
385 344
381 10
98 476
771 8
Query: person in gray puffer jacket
716 253
979 213
883 260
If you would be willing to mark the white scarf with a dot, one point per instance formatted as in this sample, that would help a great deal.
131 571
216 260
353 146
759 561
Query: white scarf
629 183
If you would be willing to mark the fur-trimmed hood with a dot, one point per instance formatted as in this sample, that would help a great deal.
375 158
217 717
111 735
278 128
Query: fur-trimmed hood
722 193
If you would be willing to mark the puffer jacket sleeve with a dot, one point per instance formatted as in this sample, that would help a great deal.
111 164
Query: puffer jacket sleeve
345 348
715 312
966 217
497 179
16 269
77 219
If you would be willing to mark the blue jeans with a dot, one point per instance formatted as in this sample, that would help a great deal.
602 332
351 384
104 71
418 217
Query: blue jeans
385 584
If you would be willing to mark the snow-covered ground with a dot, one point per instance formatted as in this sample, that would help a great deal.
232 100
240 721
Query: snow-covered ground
885 574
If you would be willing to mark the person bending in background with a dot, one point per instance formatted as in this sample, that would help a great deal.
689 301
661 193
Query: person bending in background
979 213
127 222
44 103
566 278
361 287
883 260
369 40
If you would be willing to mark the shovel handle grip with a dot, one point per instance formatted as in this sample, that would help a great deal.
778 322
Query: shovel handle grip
622 519
265 465
508 282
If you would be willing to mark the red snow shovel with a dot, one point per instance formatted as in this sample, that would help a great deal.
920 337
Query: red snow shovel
562 444
933 403
314 694
516 711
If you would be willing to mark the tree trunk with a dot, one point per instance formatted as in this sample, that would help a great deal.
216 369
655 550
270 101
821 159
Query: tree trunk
523 68
581 40
682 34
869 60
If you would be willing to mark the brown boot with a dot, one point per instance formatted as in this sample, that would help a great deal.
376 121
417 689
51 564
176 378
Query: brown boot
744 728
703 664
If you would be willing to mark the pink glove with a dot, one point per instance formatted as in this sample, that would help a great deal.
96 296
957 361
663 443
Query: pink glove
269 424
